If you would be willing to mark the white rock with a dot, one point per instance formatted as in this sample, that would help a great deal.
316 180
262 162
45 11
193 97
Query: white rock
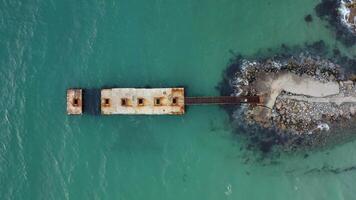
323 127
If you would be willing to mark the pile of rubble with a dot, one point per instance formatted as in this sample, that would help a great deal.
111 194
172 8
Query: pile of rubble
302 116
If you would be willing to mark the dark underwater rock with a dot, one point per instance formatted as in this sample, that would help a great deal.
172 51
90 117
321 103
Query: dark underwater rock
308 18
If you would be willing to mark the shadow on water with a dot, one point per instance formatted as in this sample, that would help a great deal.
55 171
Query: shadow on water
91 99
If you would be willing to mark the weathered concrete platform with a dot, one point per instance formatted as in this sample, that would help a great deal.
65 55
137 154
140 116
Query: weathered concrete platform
142 101
74 102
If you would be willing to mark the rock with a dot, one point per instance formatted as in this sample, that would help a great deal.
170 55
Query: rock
332 77
308 18
317 72
353 110
341 112
295 110
282 112
294 121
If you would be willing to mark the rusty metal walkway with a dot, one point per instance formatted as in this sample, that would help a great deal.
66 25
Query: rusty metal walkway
220 100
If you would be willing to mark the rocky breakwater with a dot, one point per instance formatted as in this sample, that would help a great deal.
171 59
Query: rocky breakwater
302 95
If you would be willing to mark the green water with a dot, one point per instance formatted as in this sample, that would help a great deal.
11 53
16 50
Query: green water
49 46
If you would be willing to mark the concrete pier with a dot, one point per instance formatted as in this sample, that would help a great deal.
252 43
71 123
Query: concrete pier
74 102
142 101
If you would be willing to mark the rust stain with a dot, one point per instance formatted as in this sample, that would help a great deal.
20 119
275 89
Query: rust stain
141 102
105 102
261 100
178 94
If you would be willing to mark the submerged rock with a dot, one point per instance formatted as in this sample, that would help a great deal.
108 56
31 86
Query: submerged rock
308 18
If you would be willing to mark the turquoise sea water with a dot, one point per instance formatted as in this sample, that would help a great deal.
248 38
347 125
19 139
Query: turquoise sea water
49 46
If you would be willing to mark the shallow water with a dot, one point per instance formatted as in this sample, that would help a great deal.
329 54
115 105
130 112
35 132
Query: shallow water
49 46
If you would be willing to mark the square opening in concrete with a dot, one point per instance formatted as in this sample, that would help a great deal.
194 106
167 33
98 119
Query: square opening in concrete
140 101
175 100
157 101
123 102
75 102
106 102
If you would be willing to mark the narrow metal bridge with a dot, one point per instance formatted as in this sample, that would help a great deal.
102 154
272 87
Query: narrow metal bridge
221 100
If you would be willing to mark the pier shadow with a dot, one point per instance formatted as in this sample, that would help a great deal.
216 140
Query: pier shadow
91 100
